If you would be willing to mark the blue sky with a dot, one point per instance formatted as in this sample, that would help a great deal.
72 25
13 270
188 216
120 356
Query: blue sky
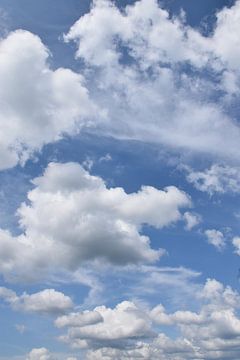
119 180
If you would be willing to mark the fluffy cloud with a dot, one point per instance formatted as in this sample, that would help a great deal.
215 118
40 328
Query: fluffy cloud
213 332
38 105
40 354
216 179
216 238
48 301
118 327
72 217
134 57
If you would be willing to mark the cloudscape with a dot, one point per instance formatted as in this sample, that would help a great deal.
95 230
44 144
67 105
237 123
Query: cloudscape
119 180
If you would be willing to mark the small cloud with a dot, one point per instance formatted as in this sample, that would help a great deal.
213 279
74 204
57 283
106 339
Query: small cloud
20 328
105 158
88 163
236 244
216 238
191 220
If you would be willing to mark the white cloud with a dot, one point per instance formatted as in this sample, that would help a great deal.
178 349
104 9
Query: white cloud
211 332
216 179
226 43
216 238
236 244
126 322
45 354
48 301
140 79
191 220
38 105
40 354
79 319
72 217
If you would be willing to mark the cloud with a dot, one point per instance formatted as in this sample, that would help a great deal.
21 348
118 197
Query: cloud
191 220
216 238
236 244
38 105
40 354
211 332
72 217
119 326
79 319
145 84
181 109
48 301
45 354
20 328
217 179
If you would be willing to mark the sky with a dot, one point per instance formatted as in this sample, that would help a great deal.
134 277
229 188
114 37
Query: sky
119 180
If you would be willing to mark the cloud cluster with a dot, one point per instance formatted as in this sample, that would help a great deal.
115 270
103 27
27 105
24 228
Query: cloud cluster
217 179
153 92
132 57
38 105
119 327
212 332
72 217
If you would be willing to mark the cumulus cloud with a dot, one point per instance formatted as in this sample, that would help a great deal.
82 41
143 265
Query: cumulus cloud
72 217
217 179
118 327
236 244
40 354
212 332
45 354
48 301
216 238
38 105
133 56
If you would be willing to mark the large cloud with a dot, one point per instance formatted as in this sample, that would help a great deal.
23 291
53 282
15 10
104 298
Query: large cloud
154 92
212 332
133 58
72 217
38 105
